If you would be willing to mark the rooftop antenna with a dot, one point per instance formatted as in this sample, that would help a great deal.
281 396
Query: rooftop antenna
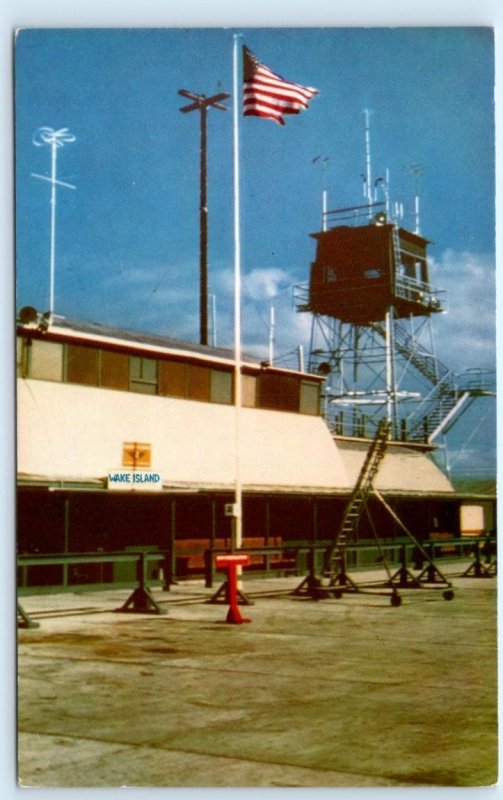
416 170
324 194
213 300
271 335
383 183
54 139
300 351
368 170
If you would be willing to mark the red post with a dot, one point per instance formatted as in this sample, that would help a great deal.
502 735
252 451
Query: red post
231 562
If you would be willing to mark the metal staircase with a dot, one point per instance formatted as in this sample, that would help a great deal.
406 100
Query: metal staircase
411 349
449 396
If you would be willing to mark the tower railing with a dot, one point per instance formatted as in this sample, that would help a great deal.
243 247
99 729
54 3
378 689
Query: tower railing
408 288
353 213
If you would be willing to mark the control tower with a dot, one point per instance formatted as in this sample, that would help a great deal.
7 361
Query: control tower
361 272
371 302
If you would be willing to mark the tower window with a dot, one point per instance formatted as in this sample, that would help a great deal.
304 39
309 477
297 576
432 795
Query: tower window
330 274
372 274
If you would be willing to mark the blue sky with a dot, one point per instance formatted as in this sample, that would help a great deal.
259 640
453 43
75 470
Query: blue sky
128 237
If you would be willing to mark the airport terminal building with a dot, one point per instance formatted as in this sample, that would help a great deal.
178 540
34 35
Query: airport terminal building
128 441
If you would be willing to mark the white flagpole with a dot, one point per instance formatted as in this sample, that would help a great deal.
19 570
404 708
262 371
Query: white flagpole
237 515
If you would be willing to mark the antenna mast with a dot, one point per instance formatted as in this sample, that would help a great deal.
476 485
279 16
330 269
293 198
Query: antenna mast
213 299
324 192
416 170
48 136
368 169
271 335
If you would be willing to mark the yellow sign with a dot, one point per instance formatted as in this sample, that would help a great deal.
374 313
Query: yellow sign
136 454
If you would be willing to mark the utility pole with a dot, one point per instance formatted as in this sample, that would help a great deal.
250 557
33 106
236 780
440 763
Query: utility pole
202 103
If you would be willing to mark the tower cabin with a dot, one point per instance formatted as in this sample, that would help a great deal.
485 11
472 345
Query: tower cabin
361 271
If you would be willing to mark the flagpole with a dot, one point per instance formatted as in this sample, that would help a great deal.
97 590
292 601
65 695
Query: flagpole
237 538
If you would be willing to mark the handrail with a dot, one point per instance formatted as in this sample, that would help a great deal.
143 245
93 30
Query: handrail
101 557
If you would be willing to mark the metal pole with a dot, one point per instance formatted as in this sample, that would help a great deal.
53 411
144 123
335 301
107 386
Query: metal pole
237 516
203 217
271 335
301 358
386 194
389 388
48 136
213 320
66 537
53 227
368 178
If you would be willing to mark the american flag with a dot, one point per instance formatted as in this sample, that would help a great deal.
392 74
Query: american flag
266 94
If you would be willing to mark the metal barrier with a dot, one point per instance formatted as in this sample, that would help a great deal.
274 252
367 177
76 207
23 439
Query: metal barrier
140 601
294 558
119 557
400 552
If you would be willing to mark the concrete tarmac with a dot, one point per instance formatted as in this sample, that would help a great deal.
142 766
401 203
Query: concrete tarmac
347 692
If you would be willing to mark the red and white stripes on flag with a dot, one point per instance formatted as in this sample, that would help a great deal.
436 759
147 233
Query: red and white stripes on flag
266 94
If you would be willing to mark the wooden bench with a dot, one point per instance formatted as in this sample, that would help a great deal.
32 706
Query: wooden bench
189 556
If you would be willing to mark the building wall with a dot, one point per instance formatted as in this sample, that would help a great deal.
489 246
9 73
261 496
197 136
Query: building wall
477 518
71 432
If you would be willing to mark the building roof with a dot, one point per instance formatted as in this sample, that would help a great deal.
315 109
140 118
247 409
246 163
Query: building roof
65 327
406 470
95 329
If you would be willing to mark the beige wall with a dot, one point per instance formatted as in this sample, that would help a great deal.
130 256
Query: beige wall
476 518
74 432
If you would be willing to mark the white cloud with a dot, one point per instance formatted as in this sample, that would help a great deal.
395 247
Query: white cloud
164 298
465 335
265 284
261 289
258 284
